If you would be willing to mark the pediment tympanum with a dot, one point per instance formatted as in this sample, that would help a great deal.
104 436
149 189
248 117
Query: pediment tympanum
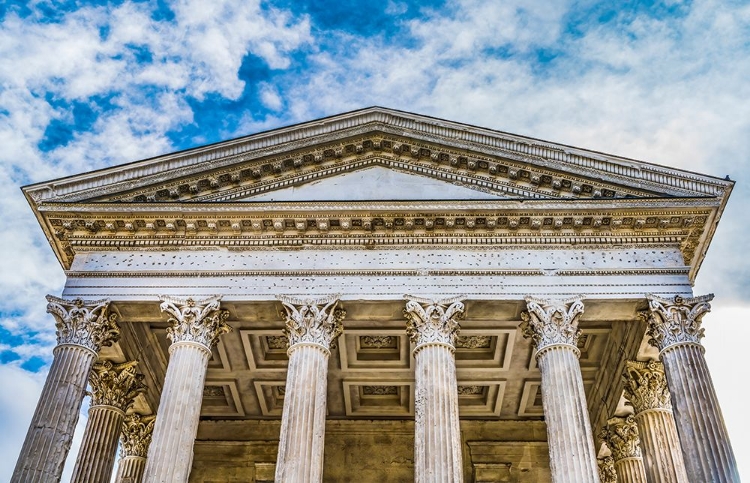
378 177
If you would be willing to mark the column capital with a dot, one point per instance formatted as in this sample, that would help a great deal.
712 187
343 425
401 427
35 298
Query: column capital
115 385
621 436
198 321
86 323
313 321
676 320
607 473
136 435
433 321
645 385
550 322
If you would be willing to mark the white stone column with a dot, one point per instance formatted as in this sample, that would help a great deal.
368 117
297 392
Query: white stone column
113 390
646 389
312 326
675 329
196 327
83 327
553 327
134 442
433 327
607 473
621 436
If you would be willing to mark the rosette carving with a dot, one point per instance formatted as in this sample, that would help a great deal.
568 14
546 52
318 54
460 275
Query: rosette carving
621 436
433 320
200 321
607 473
115 384
552 322
85 323
315 321
676 320
136 435
645 386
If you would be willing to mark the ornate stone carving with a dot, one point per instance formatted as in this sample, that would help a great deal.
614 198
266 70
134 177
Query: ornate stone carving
85 323
379 390
676 320
214 391
199 321
621 436
552 322
277 342
474 342
433 320
313 321
607 473
470 390
378 342
136 435
645 385
115 385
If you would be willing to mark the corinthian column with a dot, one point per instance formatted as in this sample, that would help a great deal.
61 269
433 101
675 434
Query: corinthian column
553 327
675 329
621 436
196 327
607 473
134 442
113 390
312 326
83 327
646 390
433 327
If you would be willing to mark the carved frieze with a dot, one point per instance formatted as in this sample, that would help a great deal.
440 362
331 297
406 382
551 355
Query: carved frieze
552 322
645 386
85 323
136 435
379 390
621 436
378 342
676 320
199 321
433 321
473 342
315 321
277 342
472 390
115 385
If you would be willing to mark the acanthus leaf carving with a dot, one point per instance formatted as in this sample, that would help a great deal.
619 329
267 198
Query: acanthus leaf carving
85 323
136 434
645 385
433 321
314 321
552 322
621 436
607 472
115 385
199 321
676 320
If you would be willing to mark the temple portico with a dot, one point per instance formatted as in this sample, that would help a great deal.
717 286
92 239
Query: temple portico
265 309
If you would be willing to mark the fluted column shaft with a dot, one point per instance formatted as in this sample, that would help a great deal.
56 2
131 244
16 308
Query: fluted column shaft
571 444
675 329
553 326
704 439
630 470
662 455
170 455
437 440
96 457
51 431
301 443
130 469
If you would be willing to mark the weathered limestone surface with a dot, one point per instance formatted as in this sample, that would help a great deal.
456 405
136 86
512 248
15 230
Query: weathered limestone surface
621 436
675 329
433 327
553 327
311 327
83 327
113 390
196 328
134 442
646 388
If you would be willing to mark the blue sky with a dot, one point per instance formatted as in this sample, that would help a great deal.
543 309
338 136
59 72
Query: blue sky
84 85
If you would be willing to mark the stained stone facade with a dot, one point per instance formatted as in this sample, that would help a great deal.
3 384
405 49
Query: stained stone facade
381 296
